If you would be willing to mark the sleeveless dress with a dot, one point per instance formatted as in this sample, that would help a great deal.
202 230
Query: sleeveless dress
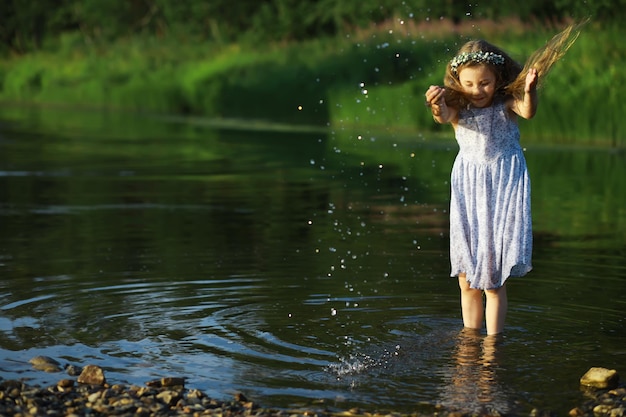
490 218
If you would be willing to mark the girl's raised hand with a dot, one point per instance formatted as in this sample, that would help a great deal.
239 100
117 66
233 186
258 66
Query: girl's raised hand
527 106
434 95
436 101
531 80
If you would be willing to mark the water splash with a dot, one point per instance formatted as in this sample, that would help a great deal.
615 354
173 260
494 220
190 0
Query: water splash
359 363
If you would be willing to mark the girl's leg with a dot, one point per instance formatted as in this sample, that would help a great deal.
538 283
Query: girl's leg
471 304
495 311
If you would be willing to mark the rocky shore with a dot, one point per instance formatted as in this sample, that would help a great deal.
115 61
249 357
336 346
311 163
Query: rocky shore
89 394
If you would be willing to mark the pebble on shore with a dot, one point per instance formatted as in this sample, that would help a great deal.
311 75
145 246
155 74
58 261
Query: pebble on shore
606 397
91 395
600 378
68 398
93 375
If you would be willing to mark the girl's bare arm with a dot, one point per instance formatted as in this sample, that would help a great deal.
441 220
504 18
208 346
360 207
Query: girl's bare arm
442 113
527 107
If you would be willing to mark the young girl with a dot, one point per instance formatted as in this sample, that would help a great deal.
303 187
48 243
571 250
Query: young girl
490 219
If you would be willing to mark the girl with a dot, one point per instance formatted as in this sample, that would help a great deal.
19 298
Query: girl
490 220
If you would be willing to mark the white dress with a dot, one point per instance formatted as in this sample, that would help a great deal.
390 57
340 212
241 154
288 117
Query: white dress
490 218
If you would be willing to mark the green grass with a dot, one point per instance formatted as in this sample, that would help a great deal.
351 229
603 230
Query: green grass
371 80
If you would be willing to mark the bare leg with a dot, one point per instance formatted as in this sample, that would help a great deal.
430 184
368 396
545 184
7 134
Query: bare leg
471 304
495 311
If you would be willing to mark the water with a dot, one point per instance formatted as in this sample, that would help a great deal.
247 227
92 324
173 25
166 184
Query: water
302 269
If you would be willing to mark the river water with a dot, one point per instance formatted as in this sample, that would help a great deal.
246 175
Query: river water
304 269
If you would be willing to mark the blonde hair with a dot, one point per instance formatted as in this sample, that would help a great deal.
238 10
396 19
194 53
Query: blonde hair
510 76
545 57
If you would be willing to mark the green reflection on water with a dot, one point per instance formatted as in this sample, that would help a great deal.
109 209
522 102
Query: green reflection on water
130 228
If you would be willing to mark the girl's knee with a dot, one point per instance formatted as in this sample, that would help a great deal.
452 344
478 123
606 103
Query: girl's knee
492 293
496 292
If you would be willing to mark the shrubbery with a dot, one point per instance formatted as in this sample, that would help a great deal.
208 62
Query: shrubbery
30 25
370 78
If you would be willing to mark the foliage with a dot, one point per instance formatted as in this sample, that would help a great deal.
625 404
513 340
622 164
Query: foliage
373 79
28 25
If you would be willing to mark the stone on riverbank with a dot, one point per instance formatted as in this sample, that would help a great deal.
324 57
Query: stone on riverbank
68 399
600 378
167 382
45 363
168 396
93 375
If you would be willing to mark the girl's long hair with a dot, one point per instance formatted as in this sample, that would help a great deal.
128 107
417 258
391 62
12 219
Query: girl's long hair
505 73
511 76
544 58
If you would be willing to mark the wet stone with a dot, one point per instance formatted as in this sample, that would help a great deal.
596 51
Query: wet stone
602 409
42 360
93 375
618 412
172 382
597 377
65 398
93 398
46 364
168 397
65 383
73 370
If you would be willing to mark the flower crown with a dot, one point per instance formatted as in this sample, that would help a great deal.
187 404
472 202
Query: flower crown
478 56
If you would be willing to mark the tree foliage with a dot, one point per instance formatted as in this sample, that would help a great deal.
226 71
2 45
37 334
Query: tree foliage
26 25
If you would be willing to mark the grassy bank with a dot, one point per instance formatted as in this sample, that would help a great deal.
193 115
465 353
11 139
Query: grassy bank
372 79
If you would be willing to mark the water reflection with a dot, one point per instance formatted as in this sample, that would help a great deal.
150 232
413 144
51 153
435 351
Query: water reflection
472 384
296 268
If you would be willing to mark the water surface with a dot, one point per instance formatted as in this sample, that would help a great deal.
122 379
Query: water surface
303 269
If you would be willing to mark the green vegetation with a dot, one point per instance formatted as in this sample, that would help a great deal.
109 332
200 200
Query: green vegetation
27 26
333 71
